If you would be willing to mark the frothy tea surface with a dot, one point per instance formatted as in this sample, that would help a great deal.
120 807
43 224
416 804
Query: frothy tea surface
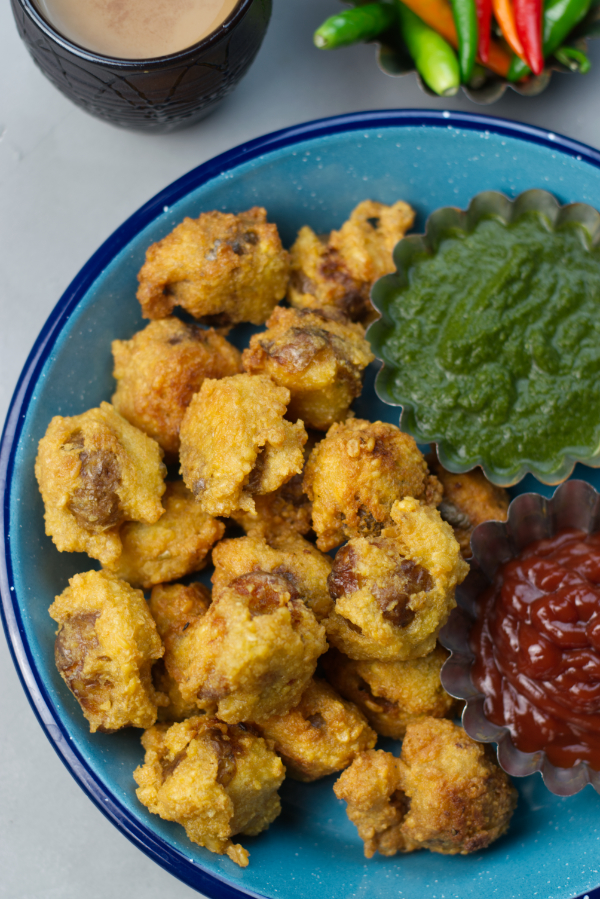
135 29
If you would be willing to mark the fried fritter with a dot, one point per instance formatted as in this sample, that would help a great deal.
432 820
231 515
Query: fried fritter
252 653
371 787
287 508
338 271
460 799
171 704
235 442
221 268
176 545
445 793
96 471
355 475
159 370
469 499
174 607
215 780
393 593
392 694
286 555
318 356
105 646
322 734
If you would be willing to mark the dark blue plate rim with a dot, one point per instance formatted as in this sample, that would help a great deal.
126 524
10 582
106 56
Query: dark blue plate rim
46 713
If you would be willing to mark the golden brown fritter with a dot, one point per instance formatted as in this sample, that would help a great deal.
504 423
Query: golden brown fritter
371 787
252 653
338 271
235 442
213 779
469 499
460 799
393 593
159 370
221 268
322 734
171 704
105 646
287 508
318 356
355 475
392 694
176 545
174 607
96 471
286 555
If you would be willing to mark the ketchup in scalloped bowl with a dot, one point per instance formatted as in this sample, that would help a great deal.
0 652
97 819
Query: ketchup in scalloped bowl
537 648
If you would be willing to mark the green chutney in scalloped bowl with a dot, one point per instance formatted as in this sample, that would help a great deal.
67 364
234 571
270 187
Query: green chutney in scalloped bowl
490 336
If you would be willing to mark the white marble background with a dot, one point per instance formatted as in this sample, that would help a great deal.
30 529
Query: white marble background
66 182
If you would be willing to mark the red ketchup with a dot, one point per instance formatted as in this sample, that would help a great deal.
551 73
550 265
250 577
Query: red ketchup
537 648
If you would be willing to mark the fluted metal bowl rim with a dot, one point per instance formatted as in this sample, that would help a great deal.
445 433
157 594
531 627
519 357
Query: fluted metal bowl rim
442 223
530 517
494 88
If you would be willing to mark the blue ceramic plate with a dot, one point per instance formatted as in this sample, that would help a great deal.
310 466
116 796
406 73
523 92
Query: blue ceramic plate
313 174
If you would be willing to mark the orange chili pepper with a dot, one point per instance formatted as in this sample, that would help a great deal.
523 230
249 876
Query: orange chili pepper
505 18
438 15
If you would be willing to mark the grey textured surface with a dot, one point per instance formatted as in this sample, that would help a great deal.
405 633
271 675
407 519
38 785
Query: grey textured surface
66 181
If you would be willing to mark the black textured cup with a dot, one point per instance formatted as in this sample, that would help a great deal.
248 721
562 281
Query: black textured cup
160 94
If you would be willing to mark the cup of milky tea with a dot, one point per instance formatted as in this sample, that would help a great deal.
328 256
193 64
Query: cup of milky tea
154 65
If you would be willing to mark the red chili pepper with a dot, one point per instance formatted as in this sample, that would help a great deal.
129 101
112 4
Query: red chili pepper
484 21
528 21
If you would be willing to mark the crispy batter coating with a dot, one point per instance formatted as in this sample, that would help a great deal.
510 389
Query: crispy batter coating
355 475
393 593
105 646
213 779
392 694
469 499
322 734
221 268
460 799
159 370
176 545
235 442
318 356
376 804
252 653
287 508
174 607
286 555
171 704
338 271
95 471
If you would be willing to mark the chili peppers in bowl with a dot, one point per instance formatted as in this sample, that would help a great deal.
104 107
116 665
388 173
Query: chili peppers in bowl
485 45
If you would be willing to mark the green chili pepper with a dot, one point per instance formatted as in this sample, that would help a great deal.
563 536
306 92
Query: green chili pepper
560 18
359 24
573 59
465 19
434 58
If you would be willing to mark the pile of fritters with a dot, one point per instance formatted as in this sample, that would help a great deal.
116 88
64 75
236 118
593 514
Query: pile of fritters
298 660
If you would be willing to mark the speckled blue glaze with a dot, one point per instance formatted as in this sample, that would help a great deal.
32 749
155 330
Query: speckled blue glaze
313 174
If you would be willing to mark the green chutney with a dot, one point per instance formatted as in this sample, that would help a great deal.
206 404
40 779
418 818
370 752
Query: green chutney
495 347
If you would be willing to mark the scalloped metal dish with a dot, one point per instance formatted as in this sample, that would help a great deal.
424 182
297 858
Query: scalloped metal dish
575 504
441 224
393 59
